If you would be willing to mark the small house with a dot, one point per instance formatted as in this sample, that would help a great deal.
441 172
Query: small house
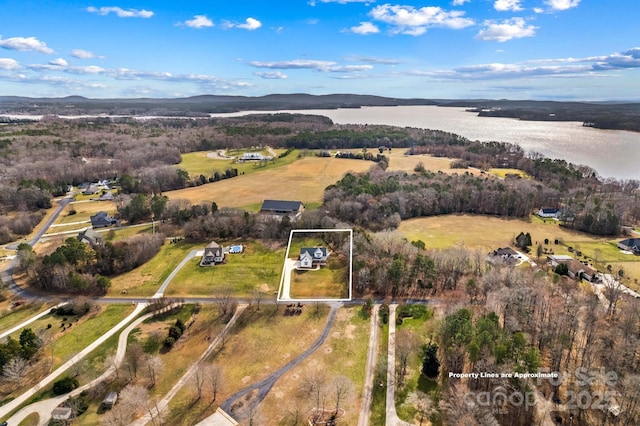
579 270
110 400
91 237
506 254
312 257
630 244
549 213
61 414
213 254
102 220
107 196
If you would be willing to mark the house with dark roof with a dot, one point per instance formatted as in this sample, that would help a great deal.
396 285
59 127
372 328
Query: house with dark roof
282 207
213 254
102 220
505 254
549 213
91 237
630 244
313 257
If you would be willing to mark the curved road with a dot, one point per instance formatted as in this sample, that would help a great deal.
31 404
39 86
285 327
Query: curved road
265 385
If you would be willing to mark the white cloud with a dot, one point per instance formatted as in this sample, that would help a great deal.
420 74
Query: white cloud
323 66
250 24
562 4
121 13
506 30
373 60
84 54
9 64
459 2
61 63
507 5
272 75
365 28
198 21
538 10
412 21
25 43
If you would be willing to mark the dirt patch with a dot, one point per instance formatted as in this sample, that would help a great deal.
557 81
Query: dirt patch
245 380
350 331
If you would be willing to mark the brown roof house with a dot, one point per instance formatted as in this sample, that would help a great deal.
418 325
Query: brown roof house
213 255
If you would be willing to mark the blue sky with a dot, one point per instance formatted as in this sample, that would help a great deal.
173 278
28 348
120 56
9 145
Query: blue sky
513 49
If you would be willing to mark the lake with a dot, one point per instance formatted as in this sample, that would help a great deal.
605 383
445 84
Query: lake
612 153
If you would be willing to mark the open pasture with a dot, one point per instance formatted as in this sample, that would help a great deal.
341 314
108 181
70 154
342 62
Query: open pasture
304 180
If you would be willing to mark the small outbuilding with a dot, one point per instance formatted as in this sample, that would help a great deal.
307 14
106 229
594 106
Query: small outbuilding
282 207
549 213
62 414
110 400
557 259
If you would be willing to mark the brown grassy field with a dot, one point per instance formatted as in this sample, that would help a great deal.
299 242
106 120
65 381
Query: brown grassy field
303 180
399 161
484 232
260 342
84 210
344 353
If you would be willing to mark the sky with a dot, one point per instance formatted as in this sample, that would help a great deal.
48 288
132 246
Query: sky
585 50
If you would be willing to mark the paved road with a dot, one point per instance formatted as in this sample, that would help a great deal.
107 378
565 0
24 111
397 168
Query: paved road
45 407
265 385
392 416
30 320
15 403
372 358
163 404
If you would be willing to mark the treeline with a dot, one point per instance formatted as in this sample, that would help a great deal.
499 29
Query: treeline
78 268
379 200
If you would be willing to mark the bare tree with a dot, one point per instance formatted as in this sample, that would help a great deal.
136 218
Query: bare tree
15 370
612 292
225 302
132 399
406 345
422 403
215 378
342 387
134 359
257 296
153 365
198 380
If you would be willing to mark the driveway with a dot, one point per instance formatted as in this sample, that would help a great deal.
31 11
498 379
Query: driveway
289 266
370 369
392 418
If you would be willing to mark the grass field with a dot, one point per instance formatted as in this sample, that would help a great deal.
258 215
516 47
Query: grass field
329 282
488 233
258 267
84 210
344 353
259 343
197 163
145 280
10 316
502 173
303 180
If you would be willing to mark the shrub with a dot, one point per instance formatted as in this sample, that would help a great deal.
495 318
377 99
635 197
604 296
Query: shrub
65 385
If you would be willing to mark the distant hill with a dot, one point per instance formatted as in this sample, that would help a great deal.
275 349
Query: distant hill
604 115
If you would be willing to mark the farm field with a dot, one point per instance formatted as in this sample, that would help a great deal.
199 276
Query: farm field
303 180
257 268
199 162
343 355
145 279
258 344
328 282
488 233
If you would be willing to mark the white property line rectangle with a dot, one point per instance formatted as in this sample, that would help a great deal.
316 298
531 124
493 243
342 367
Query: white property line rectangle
286 259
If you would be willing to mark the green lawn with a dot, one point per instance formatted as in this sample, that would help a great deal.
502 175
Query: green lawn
146 279
197 163
329 282
258 267
10 317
